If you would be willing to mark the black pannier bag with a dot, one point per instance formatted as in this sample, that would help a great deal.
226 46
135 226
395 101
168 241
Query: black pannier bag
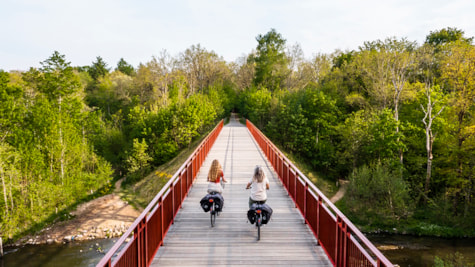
217 198
266 213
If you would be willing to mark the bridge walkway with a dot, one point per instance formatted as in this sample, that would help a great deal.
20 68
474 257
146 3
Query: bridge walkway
285 241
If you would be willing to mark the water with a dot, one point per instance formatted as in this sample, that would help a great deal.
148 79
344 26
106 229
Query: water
413 251
421 251
86 253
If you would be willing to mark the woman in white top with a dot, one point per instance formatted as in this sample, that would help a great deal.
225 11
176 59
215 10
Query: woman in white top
258 184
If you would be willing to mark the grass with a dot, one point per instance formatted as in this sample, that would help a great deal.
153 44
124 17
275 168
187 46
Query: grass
327 186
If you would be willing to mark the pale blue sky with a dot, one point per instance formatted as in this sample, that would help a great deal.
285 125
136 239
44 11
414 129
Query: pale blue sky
31 30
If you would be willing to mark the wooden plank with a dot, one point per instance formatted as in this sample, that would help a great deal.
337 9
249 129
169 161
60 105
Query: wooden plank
285 241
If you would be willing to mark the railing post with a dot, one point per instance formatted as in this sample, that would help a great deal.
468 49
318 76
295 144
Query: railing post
341 246
140 235
337 241
162 223
305 202
172 192
296 180
319 203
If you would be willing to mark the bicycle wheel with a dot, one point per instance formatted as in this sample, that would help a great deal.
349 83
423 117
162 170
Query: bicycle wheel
258 224
212 215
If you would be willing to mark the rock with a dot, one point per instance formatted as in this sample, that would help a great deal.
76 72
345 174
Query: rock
388 247
68 238
49 241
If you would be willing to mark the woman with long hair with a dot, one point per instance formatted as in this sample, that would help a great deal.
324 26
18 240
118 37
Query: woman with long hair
215 175
258 185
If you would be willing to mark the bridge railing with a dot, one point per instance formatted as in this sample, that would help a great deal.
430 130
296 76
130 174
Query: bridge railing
342 241
140 243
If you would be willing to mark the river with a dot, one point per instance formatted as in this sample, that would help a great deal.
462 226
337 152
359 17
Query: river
85 253
421 251
413 251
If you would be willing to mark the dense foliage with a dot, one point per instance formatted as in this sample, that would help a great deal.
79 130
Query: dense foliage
394 118
66 132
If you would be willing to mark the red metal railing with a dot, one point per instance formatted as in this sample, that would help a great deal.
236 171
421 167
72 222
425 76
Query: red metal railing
146 234
342 241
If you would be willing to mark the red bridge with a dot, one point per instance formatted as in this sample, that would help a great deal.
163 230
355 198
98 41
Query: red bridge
305 229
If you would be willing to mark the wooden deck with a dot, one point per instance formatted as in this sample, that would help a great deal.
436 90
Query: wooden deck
285 241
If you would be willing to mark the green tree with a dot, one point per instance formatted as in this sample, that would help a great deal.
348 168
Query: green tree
57 80
125 67
458 75
12 106
270 61
256 106
355 136
138 159
98 69
393 63
446 35
381 185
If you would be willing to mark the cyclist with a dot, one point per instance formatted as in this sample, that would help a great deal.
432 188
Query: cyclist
258 184
215 175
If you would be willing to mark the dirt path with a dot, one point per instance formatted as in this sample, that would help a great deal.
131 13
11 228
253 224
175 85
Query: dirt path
341 191
104 217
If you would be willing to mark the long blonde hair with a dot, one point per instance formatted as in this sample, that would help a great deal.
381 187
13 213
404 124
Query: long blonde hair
259 174
214 171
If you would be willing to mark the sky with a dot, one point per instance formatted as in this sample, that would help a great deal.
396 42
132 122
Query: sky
138 30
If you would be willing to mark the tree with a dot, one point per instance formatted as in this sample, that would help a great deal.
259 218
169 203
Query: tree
428 120
138 159
433 94
300 72
321 66
394 60
125 67
57 80
256 106
244 71
203 68
381 185
98 69
12 107
458 75
355 135
271 61
446 35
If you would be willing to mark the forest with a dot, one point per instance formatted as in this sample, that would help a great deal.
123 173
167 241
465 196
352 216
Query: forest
395 118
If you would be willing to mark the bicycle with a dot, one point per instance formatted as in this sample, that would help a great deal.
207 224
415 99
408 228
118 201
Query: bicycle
259 214
258 218
213 210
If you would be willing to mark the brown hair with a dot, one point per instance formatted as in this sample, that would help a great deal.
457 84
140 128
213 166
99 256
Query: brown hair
214 171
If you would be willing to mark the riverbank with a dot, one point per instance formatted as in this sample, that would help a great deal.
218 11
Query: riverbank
105 217
110 215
